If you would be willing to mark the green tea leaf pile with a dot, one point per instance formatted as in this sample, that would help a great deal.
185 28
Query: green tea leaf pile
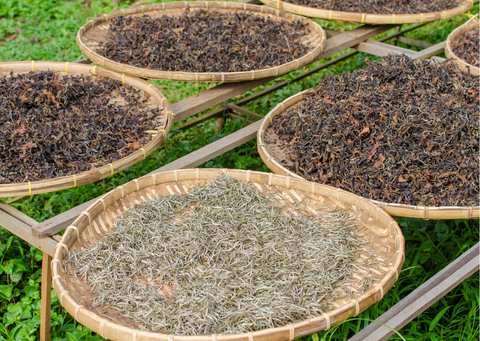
236 261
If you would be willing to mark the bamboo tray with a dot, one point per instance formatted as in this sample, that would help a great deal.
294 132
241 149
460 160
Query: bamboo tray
94 223
369 18
95 32
87 177
463 65
272 152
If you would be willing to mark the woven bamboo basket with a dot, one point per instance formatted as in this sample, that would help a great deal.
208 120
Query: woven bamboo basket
463 65
158 100
95 32
369 18
93 224
272 153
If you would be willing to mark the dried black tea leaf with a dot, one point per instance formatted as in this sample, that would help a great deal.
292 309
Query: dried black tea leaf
381 6
399 131
53 125
204 41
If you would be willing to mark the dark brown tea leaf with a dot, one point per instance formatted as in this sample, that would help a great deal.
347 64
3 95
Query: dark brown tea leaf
52 125
204 41
399 131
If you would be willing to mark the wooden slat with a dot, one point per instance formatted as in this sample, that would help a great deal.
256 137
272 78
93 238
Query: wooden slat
213 149
430 51
17 214
423 297
24 231
381 49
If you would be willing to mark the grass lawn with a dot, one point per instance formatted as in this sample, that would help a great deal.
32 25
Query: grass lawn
46 29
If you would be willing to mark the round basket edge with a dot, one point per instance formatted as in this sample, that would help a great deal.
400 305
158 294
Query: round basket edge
83 178
297 329
369 18
394 209
201 76
462 64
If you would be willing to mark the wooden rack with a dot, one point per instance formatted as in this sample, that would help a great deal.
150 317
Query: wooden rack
44 235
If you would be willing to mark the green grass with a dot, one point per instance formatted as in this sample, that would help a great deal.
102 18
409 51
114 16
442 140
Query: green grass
45 30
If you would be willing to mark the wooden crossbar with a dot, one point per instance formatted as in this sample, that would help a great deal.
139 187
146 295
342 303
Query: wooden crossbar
422 298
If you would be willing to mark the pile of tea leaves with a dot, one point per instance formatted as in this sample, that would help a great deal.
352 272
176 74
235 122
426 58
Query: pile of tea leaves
53 125
234 261
467 46
204 41
399 131
381 6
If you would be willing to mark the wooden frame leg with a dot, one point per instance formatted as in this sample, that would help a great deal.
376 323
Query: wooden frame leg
45 318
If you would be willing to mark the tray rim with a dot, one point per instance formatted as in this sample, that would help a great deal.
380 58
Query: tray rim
98 173
108 329
369 18
183 76
394 209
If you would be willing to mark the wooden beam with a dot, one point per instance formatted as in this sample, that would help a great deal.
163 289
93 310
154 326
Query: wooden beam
422 298
17 199
24 231
17 214
438 59
431 51
197 120
46 302
381 49
414 42
216 95
241 110
214 149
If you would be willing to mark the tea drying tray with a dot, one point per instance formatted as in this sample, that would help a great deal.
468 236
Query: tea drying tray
369 18
156 100
462 64
95 223
95 32
272 153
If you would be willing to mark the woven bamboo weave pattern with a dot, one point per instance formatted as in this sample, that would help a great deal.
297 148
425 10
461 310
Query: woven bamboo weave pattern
93 225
